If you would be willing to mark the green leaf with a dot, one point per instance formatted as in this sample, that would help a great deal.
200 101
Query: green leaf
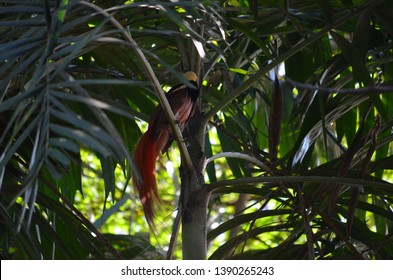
81 137
210 169
108 168
354 58
112 210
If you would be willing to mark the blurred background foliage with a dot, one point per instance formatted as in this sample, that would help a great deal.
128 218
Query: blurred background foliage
299 101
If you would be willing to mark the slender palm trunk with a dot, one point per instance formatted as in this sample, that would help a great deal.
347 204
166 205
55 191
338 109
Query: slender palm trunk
194 195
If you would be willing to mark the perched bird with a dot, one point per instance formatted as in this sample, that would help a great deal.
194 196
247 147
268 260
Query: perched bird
158 137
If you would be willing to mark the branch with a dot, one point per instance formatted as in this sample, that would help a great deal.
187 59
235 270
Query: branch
156 84
175 233
370 89
298 179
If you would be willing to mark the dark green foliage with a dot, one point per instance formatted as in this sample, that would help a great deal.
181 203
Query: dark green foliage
309 169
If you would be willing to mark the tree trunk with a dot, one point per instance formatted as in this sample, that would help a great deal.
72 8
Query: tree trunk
194 196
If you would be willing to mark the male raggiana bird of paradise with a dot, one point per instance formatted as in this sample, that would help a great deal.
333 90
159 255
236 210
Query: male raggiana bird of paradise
158 137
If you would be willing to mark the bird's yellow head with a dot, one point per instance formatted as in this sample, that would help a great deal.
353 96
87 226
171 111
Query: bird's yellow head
191 76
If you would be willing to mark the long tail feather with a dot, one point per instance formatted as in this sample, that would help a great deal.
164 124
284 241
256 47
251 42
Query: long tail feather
145 156
157 138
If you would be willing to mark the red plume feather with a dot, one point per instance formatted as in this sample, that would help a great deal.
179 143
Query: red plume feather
157 138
